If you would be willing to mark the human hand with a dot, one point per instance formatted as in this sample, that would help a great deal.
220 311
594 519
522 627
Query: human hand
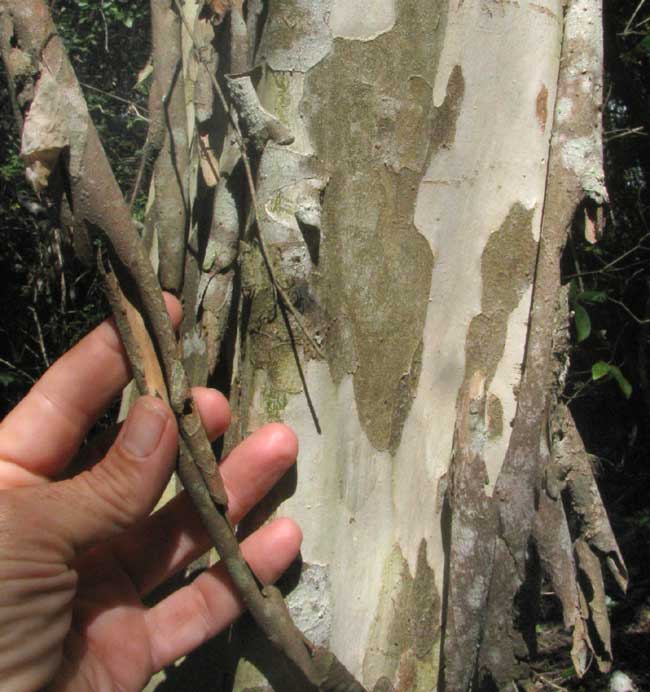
78 555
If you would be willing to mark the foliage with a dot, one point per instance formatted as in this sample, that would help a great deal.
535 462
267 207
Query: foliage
43 310
108 43
610 281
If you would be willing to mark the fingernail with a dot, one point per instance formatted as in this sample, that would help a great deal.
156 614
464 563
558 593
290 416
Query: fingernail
143 428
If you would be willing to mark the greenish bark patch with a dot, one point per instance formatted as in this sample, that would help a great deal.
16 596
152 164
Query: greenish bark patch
494 416
296 34
371 118
268 346
507 267
404 644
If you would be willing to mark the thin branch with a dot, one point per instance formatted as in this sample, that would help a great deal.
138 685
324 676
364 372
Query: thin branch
115 97
550 683
616 260
41 342
18 370
621 304
101 11
632 17
618 133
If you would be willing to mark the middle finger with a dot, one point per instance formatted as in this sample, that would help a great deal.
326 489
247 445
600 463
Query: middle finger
172 537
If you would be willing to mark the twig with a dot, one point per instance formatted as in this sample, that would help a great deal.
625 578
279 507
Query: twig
616 260
611 135
17 369
632 17
135 190
576 262
115 97
101 11
621 304
39 332
207 155
550 683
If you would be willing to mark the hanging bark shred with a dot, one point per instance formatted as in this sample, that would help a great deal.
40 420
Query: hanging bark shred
170 177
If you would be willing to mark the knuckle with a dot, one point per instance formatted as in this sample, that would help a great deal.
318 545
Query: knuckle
113 484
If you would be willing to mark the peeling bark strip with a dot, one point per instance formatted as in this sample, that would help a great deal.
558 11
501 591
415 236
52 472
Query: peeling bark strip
594 545
471 553
167 105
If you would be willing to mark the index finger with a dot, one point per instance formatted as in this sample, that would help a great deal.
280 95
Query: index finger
40 436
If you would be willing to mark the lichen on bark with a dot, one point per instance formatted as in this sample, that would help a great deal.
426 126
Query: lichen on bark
372 120
403 646
507 267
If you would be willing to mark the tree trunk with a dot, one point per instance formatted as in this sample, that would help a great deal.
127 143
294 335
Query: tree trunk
381 271
431 277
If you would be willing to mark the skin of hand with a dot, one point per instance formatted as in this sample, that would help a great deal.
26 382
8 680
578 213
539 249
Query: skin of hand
77 555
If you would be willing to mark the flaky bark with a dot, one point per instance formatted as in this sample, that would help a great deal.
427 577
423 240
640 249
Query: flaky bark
575 174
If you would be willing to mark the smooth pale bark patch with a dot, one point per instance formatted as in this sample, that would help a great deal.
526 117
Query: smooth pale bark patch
351 19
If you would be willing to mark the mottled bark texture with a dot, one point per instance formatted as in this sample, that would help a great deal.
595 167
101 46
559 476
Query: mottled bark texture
363 210
406 145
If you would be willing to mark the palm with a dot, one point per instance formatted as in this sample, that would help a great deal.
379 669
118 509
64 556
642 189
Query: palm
108 637
83 616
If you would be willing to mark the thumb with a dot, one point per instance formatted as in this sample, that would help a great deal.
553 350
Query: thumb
125 485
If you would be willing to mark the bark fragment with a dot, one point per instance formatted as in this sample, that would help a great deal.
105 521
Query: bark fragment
471 551
167 101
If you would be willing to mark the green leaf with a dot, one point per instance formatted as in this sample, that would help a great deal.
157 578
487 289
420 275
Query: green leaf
622 382
583 323
592 297
128 21
600 369
568 673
